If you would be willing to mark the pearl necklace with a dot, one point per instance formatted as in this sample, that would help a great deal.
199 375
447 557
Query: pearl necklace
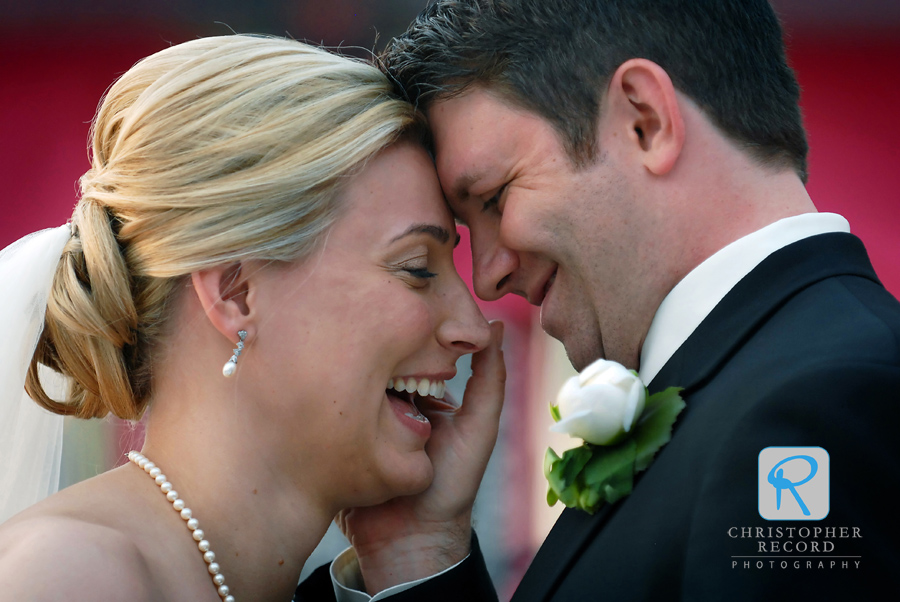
196 532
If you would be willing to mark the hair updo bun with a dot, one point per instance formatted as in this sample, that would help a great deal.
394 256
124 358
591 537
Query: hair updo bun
209 152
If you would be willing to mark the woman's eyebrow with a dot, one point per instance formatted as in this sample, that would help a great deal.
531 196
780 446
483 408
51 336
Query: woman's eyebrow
439 233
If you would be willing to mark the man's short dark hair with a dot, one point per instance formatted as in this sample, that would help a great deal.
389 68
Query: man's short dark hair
555 58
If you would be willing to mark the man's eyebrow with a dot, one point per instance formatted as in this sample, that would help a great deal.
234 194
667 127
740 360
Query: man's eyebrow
439 233
462 185
460 191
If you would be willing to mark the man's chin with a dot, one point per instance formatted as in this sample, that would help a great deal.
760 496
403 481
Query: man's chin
580 354
581 348
581 362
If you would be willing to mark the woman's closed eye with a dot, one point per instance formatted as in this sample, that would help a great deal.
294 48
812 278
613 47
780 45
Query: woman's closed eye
428 247
415 272
421 273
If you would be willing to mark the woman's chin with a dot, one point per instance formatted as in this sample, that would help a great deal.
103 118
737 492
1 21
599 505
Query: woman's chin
406 478
423 479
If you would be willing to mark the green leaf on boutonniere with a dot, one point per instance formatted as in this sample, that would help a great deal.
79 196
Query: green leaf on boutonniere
550 461
575 460
563 474
554 413
654 428
612 470
552 498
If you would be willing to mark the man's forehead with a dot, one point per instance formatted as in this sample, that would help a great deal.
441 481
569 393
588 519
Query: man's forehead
464 130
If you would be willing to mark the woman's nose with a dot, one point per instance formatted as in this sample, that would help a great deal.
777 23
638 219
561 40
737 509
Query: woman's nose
464 329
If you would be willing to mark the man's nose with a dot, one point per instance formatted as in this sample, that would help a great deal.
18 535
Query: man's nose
493 266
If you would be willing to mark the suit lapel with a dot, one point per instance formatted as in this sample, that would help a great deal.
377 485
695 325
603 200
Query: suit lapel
571 533
780 276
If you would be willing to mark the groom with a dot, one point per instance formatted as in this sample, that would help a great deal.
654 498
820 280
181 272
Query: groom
637 169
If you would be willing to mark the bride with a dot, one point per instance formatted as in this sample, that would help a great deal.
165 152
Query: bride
261 260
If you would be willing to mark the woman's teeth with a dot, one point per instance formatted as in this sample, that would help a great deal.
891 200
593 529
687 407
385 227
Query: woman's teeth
422 386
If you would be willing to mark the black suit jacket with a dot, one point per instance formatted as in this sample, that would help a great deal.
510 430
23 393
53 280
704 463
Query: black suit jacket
804 351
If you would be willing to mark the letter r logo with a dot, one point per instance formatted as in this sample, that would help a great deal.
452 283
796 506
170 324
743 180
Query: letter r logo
794 483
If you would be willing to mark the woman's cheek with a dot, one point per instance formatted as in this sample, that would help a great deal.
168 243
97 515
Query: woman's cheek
418 320
405 314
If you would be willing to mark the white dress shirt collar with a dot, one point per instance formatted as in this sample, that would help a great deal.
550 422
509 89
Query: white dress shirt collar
692 299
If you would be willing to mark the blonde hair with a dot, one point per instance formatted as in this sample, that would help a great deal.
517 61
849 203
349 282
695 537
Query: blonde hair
213 151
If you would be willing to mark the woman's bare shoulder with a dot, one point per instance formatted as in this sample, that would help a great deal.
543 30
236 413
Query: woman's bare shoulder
47 555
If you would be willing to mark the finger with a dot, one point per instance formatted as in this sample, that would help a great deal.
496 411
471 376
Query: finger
340 519
486 387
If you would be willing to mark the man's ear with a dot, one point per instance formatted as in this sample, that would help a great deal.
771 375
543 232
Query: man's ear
641 95
225 294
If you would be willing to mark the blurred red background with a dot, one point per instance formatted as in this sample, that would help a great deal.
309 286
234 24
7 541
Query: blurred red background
52 81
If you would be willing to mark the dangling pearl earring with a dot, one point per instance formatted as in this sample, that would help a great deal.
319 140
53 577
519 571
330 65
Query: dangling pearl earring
231 365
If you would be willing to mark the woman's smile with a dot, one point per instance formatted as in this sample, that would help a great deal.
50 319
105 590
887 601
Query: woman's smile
407 395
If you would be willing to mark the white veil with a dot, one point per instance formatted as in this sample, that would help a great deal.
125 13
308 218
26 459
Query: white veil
30 437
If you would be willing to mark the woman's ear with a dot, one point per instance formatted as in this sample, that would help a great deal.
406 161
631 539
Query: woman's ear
225 295
643 99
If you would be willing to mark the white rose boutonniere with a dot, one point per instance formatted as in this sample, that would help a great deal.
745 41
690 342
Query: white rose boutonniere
622 426
601 404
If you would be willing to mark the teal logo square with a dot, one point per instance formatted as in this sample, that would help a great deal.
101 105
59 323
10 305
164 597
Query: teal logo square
794 483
